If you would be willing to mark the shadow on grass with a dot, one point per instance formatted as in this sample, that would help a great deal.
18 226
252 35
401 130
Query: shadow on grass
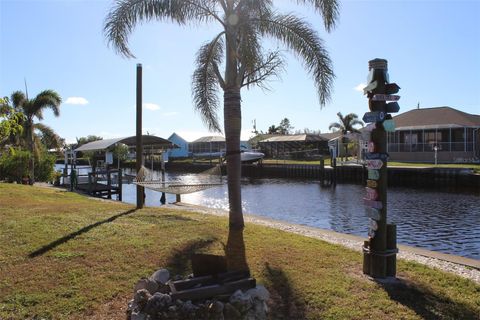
72 235
179 262
427 304
284 296
159 219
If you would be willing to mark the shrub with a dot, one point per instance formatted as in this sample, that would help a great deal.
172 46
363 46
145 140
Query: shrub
14 165
44 167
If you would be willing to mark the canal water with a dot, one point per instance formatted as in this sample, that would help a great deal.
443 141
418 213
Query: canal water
440 221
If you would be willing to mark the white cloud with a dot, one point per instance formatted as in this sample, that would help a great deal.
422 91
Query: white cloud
151 106
360 87
76 100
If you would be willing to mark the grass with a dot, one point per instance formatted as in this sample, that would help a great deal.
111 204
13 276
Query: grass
64 256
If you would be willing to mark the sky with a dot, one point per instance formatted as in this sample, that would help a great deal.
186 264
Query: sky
432 48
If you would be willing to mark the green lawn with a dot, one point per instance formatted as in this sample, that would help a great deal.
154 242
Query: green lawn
64 256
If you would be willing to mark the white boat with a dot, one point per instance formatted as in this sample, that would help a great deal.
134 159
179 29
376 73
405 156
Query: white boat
250 156
246 156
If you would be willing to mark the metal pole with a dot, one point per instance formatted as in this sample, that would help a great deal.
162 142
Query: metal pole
139 142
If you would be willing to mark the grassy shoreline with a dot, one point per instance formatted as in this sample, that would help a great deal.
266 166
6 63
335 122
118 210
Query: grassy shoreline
65 256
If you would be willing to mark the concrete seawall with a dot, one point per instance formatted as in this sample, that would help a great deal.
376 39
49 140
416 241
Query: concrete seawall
397 176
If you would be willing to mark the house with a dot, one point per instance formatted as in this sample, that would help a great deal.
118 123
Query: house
207 146
294 146
212 146
445 133
182 151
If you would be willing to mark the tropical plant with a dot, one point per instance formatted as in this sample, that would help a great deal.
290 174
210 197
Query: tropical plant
11 120
238 49
14 165
346 126
33 108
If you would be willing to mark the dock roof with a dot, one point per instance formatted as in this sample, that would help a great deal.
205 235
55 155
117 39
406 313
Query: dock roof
148 141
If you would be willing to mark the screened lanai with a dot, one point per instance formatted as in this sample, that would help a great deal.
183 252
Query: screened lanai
452 134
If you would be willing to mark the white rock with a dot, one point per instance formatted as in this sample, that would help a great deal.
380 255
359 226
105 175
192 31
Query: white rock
259 292
161 276
138 316
147 284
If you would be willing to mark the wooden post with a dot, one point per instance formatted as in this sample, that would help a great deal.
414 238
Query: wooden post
382 244
120 184
162 168
366 257
391 247
378 243
139 142
109 184
90 183
334 171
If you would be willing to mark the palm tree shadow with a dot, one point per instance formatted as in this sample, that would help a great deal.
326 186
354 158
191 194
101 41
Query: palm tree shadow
179 262
284 299
72 235
427 304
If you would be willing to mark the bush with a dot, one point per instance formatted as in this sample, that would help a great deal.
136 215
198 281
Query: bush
14 166
44 167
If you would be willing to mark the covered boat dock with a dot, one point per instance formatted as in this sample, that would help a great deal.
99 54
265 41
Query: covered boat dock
107 182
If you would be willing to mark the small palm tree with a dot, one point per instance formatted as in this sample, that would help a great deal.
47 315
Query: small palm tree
238 51
33 108
345 126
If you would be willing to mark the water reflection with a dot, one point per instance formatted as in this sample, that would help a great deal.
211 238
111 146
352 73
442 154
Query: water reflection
446 222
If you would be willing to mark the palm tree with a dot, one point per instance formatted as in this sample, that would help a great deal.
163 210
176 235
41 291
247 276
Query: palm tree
33 108
238 50
345 126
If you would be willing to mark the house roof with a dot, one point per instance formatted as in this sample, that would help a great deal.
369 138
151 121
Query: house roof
175 136
331 135
439 117
295 137
210 139
148 141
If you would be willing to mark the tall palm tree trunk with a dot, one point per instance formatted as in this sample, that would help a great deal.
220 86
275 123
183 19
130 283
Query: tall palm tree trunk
233 124
232 113
235 249
31 160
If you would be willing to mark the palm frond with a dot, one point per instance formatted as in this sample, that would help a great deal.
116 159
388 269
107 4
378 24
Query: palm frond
335 125
356 121
263 69
305 43
18 99
126 14
328 9
49 137
46 99
256 7
205 82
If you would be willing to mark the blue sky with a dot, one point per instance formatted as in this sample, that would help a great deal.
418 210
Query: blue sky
433 49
